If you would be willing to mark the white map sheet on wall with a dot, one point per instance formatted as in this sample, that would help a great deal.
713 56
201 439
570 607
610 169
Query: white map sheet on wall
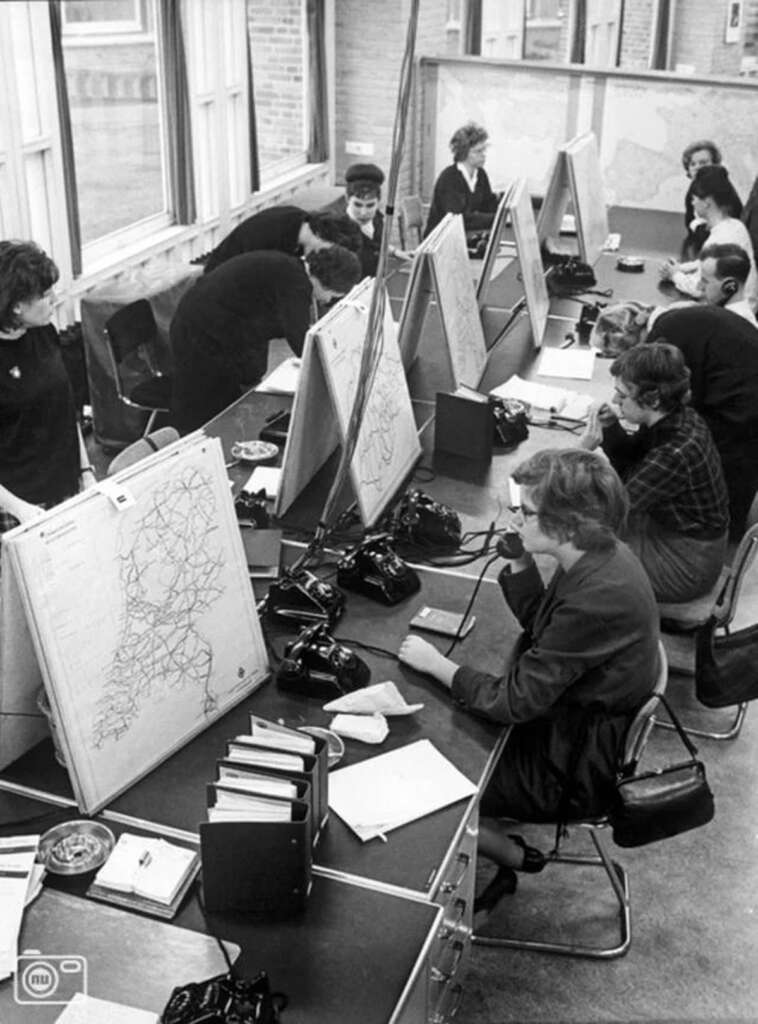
141 612
388 444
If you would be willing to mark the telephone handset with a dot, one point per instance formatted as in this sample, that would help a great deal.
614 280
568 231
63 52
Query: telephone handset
303 598
316 665
374 569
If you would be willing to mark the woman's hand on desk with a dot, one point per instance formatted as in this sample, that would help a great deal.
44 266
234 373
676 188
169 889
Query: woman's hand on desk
422 656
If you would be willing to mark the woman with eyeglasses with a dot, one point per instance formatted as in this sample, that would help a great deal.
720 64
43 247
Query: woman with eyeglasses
584 663
464 187
42 455
679 510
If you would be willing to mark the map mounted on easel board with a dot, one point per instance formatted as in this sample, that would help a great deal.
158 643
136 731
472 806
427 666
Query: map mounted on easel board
441 269
141 612
388 444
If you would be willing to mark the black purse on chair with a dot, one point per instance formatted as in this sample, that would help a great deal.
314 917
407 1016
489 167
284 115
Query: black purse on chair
664 802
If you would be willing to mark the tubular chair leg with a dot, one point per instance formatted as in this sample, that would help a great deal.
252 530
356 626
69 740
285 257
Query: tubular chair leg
617 876
731 733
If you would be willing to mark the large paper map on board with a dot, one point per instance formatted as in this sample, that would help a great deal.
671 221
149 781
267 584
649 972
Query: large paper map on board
388 444
142 614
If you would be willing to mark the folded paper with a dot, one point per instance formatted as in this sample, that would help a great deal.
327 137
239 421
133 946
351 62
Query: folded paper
381 698
366 728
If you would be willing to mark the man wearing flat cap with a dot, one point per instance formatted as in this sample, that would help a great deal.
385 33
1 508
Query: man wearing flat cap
363 190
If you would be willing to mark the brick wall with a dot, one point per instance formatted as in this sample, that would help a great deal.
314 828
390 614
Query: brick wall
369 46
637 33
699 38
275 29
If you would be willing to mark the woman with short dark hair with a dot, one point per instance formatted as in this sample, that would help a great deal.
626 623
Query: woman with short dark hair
679 511
701 153
464 187
42 456
584 663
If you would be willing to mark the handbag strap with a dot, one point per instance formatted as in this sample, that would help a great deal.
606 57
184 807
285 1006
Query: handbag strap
678 726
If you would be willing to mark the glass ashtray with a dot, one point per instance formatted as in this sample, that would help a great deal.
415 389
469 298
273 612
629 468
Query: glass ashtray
74 847
335 748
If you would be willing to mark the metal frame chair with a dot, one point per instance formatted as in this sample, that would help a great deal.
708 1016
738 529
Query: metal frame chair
410 217
689 616
634 746
132 329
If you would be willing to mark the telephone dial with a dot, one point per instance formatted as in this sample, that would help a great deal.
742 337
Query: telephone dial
424 522
374 569
303 598
316 665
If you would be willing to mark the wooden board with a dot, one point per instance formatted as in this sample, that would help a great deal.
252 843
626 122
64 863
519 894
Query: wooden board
556 200
22 724
530 260
588 195
387 442
456 297
141 612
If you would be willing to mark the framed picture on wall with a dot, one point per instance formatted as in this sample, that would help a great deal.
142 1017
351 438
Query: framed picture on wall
733 29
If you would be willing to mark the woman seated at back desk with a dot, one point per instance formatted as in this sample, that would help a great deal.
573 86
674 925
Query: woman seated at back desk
464 187
679 511
584 664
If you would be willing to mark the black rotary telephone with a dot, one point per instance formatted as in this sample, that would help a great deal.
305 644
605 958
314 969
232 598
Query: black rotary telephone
374 569
420 520
316 665
301 597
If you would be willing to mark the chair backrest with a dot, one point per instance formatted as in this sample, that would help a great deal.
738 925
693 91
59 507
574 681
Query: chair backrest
130 328
726 606
410 217
642 724
146 445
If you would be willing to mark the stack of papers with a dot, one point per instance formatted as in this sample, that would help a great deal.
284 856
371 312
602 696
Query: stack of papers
567 362
147 874
17 855
571 404
390 790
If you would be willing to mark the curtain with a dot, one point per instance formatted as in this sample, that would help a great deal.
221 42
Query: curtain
67 142
255 169
318 114
180 163
580 32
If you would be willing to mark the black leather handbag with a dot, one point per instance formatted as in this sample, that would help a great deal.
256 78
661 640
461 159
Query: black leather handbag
662 803
726 667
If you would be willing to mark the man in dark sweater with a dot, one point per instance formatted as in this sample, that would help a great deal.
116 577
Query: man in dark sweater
286 229
222 326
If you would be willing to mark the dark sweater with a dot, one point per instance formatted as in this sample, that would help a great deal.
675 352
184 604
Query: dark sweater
222 326
276 228
453 195
39 446
369 252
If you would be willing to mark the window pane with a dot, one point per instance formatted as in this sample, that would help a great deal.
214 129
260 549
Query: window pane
112 81
277 43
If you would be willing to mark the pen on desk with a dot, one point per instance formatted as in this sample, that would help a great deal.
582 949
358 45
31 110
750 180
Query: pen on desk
570 339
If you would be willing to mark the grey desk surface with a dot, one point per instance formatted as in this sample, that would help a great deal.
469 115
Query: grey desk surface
348 958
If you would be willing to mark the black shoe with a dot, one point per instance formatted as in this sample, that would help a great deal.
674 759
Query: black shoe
534 859
503 884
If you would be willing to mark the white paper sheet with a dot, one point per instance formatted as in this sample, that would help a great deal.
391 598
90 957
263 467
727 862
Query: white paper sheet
380 698
390 790
87 1010
283 379
17 855
561 400
567 362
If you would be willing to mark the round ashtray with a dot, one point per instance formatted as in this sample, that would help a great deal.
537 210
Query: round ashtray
335 748
254 451
74 847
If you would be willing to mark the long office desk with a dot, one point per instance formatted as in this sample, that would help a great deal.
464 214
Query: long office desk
425 869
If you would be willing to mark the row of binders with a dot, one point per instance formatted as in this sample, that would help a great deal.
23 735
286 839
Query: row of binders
266 809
